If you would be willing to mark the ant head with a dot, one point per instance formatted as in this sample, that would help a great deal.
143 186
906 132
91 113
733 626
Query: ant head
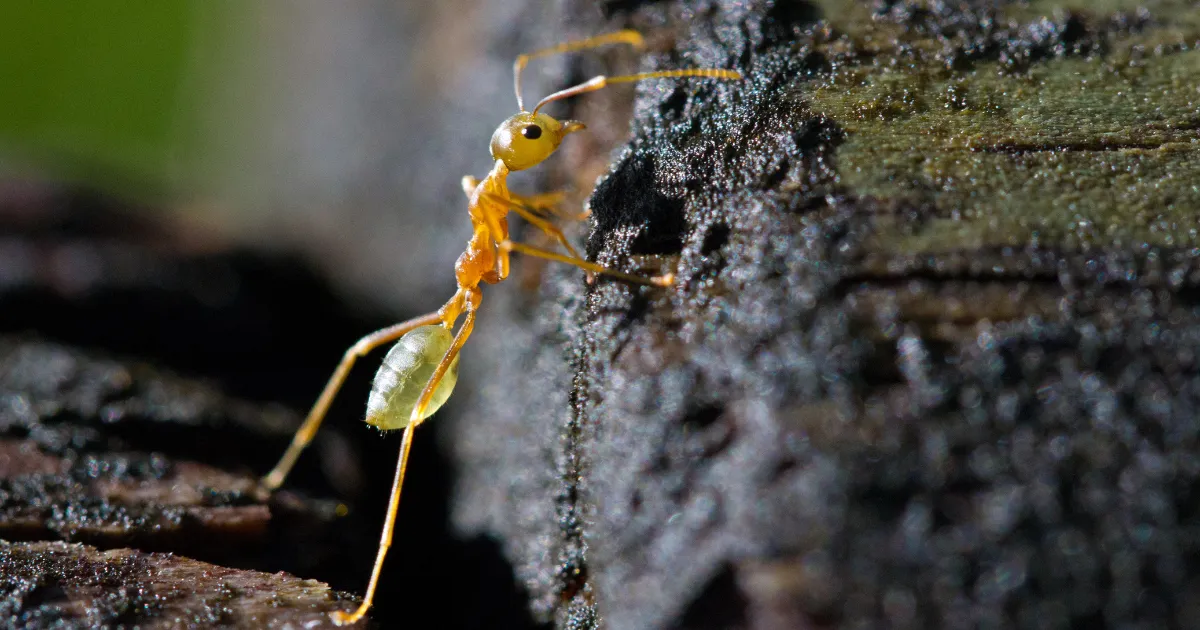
528 138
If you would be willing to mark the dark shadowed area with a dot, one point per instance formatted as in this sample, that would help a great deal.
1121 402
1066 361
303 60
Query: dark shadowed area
99 447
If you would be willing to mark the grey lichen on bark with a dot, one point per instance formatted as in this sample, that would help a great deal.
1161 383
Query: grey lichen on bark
930 360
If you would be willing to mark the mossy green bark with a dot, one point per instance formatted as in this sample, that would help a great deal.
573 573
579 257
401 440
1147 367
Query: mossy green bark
1099 148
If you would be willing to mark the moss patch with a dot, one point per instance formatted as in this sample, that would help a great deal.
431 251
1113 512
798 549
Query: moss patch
1091 140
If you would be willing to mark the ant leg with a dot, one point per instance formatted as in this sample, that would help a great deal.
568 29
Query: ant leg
340 618
548 228
665 280
631 37
305 433
498 233
545 204
460 338
542 201
506 246
523 209
550 205
389 523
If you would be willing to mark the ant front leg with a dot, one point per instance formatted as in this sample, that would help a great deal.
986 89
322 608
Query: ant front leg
545 204
523 209
550 205
308 430
507 246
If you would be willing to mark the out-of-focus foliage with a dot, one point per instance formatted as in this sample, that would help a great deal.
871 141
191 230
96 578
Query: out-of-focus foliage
107 93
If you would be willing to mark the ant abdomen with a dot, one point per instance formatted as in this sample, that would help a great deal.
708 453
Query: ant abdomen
404 373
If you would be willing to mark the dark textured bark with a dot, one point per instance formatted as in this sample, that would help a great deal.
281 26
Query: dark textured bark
59 585
913 373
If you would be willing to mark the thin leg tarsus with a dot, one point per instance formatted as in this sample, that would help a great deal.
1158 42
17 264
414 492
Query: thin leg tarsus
665 280
549 205
385 540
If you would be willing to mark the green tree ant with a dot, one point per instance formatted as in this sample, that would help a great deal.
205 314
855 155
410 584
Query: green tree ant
419 372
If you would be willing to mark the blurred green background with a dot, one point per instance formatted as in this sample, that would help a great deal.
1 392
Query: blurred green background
340 130
109 94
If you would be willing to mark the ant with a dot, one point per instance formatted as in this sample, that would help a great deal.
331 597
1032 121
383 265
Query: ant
419 372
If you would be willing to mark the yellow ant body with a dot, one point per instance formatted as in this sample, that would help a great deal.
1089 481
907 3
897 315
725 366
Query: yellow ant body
418 374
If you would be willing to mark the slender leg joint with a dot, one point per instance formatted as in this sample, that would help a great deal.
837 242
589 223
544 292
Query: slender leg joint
385 540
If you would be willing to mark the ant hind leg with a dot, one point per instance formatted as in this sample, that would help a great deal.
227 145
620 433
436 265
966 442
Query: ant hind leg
304 435
389 525
389 522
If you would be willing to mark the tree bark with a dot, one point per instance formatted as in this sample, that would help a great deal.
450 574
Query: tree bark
930 356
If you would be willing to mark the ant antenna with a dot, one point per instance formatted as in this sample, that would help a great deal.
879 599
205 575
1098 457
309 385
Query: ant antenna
597 83
633 38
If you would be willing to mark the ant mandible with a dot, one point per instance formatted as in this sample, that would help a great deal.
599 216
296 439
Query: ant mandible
419 372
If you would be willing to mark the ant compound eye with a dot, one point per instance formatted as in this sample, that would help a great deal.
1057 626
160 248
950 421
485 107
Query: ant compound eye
526 139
